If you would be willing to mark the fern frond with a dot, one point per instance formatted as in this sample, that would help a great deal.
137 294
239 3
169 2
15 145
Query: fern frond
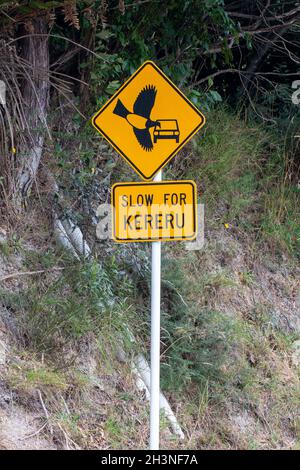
71 14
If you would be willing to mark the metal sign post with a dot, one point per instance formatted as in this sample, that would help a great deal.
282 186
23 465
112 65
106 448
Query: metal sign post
155 340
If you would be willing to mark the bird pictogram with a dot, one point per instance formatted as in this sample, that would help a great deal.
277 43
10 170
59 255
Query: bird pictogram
140 119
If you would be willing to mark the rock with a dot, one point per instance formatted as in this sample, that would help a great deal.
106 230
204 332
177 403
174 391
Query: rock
296 353
2 353
3 235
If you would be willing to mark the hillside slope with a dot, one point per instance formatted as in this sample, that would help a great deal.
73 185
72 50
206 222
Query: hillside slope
234 351
230 338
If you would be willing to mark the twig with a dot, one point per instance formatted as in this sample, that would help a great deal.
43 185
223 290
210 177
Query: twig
34 433
267 18
68 439
29 273
56 36
65 405
45 410
241 72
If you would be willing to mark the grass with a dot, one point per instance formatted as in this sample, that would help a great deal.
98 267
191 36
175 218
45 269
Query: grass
229 155
10 246
114 428
58 309
227 357
281 224
223 348
29 374
245 177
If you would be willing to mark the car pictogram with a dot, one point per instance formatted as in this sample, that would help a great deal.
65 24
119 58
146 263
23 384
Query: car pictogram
166 129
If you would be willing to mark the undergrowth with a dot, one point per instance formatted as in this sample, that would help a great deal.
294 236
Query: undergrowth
244 173
220 360
58 309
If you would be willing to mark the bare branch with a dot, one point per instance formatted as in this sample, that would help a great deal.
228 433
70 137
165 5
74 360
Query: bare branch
288 14
29 273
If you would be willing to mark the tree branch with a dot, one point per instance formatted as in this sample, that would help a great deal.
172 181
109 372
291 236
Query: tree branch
237 14
29 273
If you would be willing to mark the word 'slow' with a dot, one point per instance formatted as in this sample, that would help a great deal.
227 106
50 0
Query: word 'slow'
140 200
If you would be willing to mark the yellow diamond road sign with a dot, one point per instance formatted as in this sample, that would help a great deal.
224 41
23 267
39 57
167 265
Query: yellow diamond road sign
154 211
148 120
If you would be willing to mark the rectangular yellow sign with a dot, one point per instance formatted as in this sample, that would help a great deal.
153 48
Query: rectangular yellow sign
163 211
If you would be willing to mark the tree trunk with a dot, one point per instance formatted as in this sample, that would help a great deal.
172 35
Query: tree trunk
35 96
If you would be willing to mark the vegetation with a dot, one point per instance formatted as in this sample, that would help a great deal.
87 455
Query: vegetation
230 327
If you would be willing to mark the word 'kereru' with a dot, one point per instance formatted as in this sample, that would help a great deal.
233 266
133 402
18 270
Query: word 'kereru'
140 118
